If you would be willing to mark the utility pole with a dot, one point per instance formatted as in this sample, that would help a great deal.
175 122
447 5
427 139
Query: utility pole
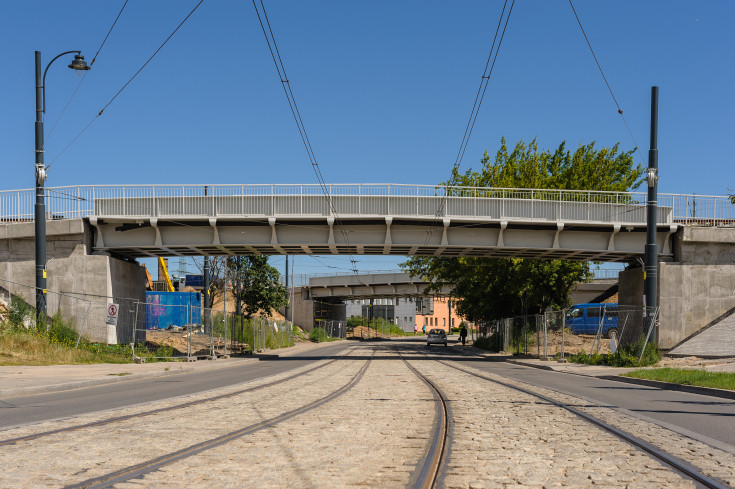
238 286
285 316
650 277
205 272
449 320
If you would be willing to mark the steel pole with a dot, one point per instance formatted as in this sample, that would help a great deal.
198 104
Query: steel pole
650 278
285 316
40 208
205 272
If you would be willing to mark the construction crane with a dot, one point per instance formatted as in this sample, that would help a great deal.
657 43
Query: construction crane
148 278
162 265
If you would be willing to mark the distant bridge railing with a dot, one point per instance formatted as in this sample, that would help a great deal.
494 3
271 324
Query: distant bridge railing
191 201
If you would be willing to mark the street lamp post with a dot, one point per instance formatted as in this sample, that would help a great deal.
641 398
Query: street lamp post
40 209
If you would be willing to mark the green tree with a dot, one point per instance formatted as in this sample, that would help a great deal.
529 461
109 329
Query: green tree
260 288
491 288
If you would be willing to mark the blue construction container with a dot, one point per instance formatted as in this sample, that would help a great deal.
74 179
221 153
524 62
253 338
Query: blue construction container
164 309
196 281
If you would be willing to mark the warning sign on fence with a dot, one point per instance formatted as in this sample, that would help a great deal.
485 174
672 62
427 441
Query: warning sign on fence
112 310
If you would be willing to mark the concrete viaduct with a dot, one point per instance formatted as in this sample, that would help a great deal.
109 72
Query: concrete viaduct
96 233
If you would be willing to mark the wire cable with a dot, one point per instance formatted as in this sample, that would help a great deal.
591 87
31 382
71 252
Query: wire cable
609 88
84 75
94 58
129 81
287 90
479 97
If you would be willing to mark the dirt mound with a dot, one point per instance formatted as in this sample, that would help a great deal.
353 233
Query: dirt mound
363 332
572 344
201 344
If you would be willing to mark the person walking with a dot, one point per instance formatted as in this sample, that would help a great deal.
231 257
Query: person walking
423 330
415 329
463 333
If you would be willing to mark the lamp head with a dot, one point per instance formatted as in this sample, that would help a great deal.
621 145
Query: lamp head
79 63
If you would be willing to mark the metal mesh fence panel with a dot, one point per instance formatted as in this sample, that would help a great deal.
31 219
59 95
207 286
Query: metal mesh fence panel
270 333
164 331
595 329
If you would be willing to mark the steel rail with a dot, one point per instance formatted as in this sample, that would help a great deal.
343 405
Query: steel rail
672 461
103 422
158 462
435 459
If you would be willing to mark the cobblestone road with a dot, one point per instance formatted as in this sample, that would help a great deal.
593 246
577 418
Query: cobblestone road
374 435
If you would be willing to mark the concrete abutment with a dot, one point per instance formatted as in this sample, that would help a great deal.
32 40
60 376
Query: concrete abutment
80 283
693 290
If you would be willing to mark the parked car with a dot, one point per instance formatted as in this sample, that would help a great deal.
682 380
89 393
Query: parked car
587 319
436 336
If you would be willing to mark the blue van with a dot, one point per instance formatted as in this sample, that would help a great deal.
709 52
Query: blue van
586 319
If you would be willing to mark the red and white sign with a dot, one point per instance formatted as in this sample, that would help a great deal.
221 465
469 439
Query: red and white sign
112 310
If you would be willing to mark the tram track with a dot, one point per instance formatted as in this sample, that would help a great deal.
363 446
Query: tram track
426 477
678 465
156 463
151 412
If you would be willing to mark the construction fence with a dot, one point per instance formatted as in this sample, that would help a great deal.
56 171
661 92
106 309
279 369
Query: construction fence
207 333
559 334
145 329
334 329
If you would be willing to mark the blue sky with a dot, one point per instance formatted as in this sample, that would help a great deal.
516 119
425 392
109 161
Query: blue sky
384 88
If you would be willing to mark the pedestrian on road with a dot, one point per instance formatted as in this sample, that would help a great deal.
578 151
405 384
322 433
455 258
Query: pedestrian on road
463 333
423 330
415 329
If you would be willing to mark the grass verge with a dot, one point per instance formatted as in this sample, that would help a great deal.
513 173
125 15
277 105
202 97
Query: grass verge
30 348
701 378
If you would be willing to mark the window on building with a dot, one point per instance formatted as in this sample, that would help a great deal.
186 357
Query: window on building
398 301
452 322
444 321
426 321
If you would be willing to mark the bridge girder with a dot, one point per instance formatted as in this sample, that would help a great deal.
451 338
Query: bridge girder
579 241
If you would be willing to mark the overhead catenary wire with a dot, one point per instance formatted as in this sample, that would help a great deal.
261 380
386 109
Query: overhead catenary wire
479 97
609 88
128 82
484 81
84 74
293 106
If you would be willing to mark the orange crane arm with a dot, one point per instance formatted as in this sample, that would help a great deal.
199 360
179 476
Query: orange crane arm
149 279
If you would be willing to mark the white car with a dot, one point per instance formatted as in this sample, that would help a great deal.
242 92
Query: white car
436 336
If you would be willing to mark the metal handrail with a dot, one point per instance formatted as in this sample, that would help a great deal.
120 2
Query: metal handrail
182 200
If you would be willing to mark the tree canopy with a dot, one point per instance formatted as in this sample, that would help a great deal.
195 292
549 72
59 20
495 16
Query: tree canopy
492 288
260 289
587 168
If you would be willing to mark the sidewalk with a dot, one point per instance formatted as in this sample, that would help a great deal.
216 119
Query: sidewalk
24 380
614 373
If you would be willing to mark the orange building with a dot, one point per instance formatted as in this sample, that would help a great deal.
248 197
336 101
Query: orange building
441 317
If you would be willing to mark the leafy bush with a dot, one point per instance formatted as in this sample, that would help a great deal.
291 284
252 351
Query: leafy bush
526 339
491 343
356 321
18 312
626 356
318 335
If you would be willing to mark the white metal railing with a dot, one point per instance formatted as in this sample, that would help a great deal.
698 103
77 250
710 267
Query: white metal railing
187 201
